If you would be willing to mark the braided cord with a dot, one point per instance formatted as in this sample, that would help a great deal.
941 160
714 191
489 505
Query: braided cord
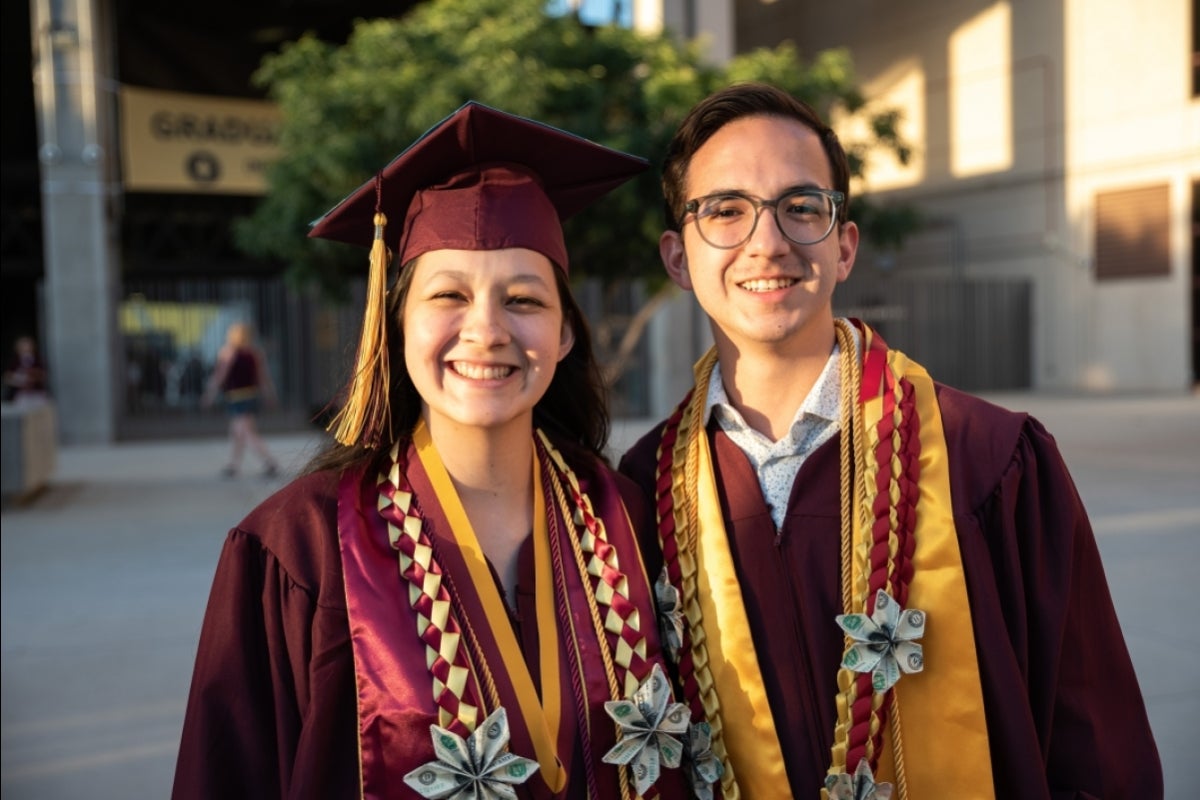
677 480
454 688
851 464
606 654
432 595
887 463
479 667
875 552
669 543
611 586
851 378
878 486
556 492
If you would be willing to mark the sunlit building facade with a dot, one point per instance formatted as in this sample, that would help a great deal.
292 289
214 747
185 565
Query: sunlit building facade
1056 146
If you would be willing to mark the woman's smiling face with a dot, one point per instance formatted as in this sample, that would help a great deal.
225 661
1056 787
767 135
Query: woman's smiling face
483 334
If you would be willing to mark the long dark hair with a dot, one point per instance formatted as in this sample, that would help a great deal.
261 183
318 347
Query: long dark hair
729 104
573 411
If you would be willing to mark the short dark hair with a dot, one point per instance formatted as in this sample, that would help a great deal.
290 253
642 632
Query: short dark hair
573 411
726 105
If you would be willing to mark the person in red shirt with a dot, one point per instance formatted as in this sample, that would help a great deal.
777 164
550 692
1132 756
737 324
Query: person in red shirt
243 381
25 376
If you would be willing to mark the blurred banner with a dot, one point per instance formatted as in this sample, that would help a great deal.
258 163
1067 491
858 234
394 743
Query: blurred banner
187 143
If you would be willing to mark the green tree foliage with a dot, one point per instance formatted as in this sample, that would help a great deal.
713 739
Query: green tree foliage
349 109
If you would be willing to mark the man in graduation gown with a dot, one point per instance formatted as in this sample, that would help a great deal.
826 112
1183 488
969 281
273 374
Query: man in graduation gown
880 586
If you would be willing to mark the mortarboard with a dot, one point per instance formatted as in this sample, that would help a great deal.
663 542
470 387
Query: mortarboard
481 179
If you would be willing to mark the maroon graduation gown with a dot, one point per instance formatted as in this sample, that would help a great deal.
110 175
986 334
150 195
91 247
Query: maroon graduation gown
1064 711
272 710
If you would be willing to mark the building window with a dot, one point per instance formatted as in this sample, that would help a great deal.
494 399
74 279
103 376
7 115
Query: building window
1133 229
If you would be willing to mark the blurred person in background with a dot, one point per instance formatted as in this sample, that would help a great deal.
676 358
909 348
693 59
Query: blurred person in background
25 375
243 381
889 588
450 602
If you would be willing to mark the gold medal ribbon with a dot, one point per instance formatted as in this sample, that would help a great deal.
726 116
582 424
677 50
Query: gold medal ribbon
542 718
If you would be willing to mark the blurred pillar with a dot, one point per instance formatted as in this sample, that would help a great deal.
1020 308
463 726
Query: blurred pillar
75 99
677 336
709 20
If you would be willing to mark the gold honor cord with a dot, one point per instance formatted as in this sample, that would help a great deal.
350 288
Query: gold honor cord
543 723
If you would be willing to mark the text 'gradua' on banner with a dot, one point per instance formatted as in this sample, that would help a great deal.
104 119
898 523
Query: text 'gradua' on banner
187 143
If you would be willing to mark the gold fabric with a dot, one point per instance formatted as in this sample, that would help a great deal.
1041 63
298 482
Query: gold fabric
941 722
946 752
543 721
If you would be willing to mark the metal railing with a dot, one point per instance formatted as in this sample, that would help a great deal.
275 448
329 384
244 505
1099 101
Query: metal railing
973 334
171 330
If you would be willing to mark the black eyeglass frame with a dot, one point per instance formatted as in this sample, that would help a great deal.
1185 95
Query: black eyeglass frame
835 197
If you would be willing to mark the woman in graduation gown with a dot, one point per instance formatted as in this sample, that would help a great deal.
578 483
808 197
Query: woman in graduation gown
450 602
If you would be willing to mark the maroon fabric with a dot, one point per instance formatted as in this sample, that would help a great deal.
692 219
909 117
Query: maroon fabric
1065 714
572 171
492 208
272 709
243 371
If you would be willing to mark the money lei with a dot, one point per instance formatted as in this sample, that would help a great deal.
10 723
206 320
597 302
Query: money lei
884 642
706 767
476 768
670 615
883 459
677 532
648 722
861 786
405 521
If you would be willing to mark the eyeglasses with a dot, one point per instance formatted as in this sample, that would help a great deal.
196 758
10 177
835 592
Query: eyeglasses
728 219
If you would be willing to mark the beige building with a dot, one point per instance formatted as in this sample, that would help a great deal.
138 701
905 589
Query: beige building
1056 146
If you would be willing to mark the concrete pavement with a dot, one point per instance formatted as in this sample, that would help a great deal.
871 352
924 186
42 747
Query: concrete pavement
105 576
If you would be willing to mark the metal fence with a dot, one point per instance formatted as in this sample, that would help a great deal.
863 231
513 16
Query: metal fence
972 334
171 330
975 335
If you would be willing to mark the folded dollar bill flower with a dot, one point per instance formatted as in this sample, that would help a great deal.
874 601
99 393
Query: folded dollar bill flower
861 786
649 723
670 615
477 768
706 768
884 642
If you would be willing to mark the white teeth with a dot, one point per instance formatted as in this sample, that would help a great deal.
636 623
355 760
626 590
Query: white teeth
478 372
767 285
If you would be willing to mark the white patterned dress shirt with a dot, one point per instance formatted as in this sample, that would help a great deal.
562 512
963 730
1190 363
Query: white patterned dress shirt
776 463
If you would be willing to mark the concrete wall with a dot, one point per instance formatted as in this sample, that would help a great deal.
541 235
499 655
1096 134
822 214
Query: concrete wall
711 21
1020 112
1132 122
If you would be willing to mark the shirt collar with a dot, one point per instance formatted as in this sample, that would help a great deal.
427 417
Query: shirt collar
823 400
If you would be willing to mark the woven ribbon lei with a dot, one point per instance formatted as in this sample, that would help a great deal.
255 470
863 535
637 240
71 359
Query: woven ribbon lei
885 500
459 674
885 461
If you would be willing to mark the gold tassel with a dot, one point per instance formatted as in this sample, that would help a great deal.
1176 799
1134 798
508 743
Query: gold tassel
367 412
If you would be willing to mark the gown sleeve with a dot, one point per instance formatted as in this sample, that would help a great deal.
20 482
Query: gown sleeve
1047 630
271 712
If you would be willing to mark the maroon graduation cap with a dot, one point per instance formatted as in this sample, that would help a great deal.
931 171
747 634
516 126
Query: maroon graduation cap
481 179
